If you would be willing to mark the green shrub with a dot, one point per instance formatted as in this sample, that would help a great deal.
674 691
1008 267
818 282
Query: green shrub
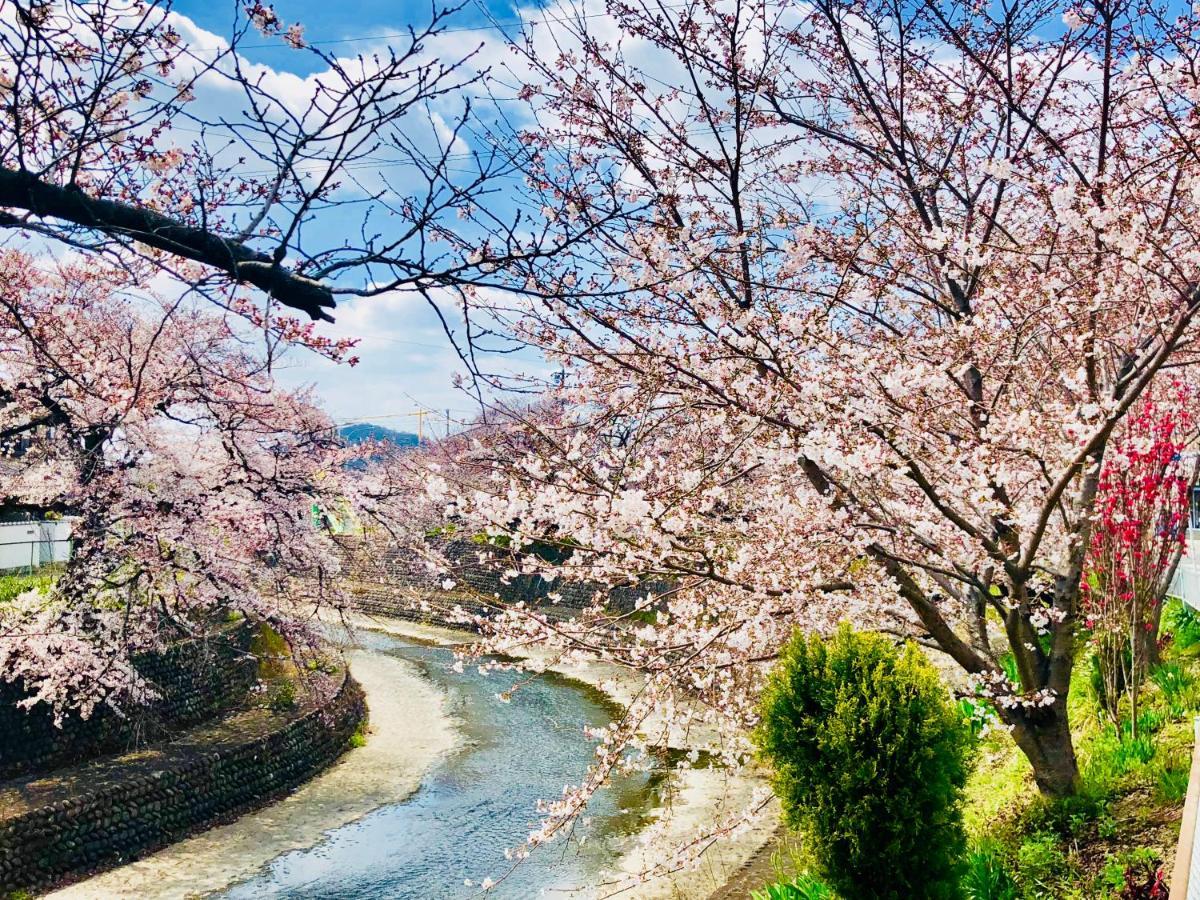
986 877
803 887
870 757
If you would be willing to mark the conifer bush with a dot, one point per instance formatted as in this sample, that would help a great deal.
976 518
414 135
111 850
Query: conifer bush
870 758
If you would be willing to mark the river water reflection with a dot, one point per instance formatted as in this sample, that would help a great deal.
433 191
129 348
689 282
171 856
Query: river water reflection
474 804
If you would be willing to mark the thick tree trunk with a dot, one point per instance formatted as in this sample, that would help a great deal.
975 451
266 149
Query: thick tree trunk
1044 736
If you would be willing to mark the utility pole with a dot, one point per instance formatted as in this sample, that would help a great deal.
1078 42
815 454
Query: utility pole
420 414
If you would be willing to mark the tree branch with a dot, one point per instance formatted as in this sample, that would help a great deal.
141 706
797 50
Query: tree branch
22 190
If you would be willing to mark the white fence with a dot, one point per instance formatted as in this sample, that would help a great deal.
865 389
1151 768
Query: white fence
1185 876
1186 585
30 545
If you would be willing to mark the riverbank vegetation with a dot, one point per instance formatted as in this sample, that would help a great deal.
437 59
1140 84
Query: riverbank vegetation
1122 826
869 759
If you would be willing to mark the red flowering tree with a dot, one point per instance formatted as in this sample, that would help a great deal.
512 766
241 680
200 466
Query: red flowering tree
1138 535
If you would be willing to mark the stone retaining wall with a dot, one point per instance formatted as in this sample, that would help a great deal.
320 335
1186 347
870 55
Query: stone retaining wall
113 810
390 581
195 680
429 607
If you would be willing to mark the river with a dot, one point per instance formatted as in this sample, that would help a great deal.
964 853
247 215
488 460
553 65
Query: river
474 803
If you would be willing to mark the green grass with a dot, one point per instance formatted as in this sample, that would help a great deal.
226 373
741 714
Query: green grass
1182 622
1179 688
13 585
1002 778
1171 776
1124 820
802 887
986 876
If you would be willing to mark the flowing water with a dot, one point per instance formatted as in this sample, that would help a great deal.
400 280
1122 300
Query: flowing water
475 803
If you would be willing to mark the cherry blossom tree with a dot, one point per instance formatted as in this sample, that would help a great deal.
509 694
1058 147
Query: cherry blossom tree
154 154
189 477
898 272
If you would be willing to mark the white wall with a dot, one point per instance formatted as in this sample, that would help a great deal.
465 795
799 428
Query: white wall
28 545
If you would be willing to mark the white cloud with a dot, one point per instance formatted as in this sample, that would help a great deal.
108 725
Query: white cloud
406 363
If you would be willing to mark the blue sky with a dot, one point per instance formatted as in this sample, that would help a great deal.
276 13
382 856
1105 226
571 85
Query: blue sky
406 361
334 24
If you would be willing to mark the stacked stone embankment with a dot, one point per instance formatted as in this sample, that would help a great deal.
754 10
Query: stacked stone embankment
193 680
82 794
111 810
457 579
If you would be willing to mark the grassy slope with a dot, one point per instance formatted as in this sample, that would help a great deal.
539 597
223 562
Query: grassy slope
1128 809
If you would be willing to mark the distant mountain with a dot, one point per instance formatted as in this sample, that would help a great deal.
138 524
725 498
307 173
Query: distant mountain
364 431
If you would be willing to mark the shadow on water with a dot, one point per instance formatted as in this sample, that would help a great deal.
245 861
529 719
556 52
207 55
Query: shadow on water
476 803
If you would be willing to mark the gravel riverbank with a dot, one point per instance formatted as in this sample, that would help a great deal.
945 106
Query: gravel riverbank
410 732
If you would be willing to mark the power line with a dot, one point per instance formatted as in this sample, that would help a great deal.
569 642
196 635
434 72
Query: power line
409 343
